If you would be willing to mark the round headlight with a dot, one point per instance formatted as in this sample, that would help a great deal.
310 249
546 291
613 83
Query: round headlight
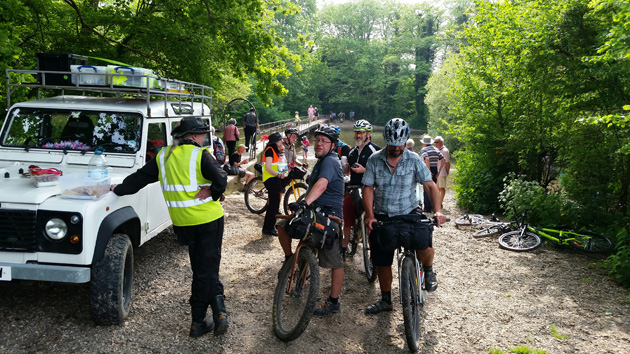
56 229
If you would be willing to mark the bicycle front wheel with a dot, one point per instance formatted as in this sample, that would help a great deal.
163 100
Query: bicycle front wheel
469 219
591 242
370 272
295 296
256 198
410 296
354 241
514 241
295 194
489 231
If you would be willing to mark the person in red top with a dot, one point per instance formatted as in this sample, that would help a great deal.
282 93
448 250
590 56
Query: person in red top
230 136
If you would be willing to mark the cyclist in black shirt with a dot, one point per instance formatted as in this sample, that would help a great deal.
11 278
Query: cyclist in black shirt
357 160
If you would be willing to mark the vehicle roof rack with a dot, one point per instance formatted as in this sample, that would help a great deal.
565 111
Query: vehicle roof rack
153 87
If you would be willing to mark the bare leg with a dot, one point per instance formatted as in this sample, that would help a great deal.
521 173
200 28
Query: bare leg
384 277
285 240
336 281
425 256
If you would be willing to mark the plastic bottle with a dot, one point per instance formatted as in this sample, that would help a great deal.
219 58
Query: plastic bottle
97 167
283 166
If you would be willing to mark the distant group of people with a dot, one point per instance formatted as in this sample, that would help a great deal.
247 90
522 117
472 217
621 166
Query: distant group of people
437 159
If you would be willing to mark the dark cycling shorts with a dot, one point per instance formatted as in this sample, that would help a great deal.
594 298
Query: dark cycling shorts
382 258
349 214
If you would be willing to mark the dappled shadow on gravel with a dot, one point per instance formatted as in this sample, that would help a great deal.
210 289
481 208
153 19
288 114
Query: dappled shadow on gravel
487 298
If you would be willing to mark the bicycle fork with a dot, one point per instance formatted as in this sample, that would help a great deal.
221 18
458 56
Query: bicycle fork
419 278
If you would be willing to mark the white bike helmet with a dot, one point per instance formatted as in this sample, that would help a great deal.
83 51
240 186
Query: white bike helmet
396 132
362 125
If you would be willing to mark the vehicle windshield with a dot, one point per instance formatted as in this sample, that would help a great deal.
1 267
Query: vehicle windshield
64 129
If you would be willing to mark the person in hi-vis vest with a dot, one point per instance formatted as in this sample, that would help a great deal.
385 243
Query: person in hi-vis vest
192 183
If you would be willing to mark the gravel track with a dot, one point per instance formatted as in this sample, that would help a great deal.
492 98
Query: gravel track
487 298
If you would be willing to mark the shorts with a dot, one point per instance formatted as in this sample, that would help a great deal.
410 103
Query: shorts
382 258
327 258
305 148
349 214
241 172
441 182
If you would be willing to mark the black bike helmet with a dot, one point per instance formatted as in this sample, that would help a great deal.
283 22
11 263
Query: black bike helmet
291 131
328 132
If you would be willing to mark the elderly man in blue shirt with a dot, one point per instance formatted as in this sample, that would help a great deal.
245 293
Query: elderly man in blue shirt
390 176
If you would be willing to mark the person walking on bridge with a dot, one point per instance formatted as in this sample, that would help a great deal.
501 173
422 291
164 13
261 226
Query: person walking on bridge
250 125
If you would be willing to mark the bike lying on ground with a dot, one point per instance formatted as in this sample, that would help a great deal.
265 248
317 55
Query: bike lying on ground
411 286
296 294
256 198
527 238
474 220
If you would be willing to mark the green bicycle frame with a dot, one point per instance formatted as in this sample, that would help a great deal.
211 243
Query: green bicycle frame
563 237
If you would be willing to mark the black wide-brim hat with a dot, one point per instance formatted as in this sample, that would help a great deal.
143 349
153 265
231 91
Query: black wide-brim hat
190 125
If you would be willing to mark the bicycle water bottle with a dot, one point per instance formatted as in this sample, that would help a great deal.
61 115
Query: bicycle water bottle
97 167
283 166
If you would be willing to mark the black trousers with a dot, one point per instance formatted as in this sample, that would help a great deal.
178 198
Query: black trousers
274 187
204 249
231 146
427 201
249 132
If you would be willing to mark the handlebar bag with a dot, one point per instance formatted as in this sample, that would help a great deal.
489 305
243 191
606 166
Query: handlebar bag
297 172
403 231
314 227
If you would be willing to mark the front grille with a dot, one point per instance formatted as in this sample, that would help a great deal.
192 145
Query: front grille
18 230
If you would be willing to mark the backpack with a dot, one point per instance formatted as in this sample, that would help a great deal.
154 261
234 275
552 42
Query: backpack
219 149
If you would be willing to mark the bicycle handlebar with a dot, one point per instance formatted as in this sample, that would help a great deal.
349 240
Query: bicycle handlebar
289 217
432 221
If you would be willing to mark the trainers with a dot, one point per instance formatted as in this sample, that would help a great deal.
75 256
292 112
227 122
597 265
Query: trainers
430 282
379 306
327 308
197 329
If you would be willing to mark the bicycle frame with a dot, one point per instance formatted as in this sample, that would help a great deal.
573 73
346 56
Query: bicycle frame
297 251
562 238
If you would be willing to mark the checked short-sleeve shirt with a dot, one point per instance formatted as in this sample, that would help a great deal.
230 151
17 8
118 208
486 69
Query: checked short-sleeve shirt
395 193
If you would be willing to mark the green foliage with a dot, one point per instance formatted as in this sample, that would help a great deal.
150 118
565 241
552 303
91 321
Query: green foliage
618 264
556 334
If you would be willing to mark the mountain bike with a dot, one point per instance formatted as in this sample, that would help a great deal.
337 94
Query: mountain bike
527 238
296 294
358 233
412 286
256 198
470 220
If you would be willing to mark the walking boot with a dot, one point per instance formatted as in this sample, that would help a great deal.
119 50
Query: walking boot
197 329
219 314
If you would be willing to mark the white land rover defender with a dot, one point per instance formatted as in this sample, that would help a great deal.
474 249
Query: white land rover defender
69 228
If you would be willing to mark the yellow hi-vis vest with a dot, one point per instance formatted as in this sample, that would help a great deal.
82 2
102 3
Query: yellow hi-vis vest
180 178
274 164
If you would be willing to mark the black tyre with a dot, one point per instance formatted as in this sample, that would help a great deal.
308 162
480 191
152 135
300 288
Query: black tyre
293 305
469 220
370 273
489 231
514 241
112 280
296 194
410 298
252 147
256 198
590 242
354 241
